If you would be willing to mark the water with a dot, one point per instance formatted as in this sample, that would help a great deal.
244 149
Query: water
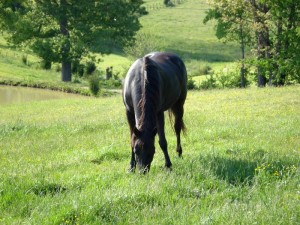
9 95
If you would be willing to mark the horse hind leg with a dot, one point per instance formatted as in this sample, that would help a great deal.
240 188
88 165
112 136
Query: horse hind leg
178 125
162 139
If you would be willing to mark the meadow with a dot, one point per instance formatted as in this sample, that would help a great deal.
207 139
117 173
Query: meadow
65 162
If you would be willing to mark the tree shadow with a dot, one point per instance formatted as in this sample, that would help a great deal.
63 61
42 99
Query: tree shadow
110 156
207 51
234 171
240 168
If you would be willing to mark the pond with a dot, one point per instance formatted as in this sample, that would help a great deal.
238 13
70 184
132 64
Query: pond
10 94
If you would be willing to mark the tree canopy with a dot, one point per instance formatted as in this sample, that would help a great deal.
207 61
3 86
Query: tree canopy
65 30
270 28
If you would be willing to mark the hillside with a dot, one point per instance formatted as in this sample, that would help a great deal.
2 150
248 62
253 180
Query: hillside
180 29
177 29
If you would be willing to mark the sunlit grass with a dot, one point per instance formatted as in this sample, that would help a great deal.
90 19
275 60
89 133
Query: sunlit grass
65 161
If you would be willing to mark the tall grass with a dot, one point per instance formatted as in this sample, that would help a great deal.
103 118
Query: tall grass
65 161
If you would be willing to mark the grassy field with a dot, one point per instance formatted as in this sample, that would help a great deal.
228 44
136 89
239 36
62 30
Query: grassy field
65 161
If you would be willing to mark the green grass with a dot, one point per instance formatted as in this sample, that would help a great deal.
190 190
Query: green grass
181 30
65 161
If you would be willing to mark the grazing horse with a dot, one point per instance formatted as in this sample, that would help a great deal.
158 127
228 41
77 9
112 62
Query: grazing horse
155 83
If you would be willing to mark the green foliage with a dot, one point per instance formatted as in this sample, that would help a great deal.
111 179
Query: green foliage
90 67
24 59
46 65
209 83
94 84
143 44
78 68
270 27
191 84
231 78
65 31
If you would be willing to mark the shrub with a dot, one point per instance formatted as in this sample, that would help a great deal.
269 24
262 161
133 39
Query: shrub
209 83
94 84
46 65
232 78
24 59
90 67
204 70
191 84
58 68
77 68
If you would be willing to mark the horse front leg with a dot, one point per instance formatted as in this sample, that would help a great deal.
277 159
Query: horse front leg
131 122
162 138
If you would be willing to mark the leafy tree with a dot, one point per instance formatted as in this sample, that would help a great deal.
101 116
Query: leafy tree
273 25
233 25
65 30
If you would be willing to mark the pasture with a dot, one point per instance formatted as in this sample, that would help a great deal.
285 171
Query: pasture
64 162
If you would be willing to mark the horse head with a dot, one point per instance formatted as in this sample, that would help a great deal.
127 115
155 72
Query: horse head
143 148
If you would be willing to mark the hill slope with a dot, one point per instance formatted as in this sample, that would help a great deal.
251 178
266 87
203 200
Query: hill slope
177 29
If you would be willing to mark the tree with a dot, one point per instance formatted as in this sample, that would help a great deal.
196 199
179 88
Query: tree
232 25
65 30
8 15
286 39
273 25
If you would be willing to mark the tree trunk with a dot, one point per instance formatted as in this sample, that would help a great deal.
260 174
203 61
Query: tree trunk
278 48
243 83
261 79
66 74
263 41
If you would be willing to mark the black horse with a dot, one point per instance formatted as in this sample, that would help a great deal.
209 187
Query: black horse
155 83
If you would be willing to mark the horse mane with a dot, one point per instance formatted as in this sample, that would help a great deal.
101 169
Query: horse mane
150 94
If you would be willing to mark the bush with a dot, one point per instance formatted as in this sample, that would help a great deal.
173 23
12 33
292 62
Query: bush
94 84
24 59
205 70
58 68
209 83
191 84
77 68
90 67
46 65
232 78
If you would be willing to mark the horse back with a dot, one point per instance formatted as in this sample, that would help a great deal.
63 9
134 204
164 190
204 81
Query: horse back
173 78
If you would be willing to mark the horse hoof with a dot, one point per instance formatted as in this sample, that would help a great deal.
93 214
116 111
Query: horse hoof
168 169
131 170
179 151
168 165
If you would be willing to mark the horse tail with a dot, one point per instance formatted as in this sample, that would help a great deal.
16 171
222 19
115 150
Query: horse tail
172 122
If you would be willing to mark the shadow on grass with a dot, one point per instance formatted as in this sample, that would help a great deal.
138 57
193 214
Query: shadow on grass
240 168
110 156
206 51
48 189
234 171
203 56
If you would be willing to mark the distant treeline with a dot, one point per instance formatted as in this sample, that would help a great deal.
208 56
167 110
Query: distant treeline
271 28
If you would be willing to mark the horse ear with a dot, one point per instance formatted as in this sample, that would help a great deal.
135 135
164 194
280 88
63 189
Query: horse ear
137 132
